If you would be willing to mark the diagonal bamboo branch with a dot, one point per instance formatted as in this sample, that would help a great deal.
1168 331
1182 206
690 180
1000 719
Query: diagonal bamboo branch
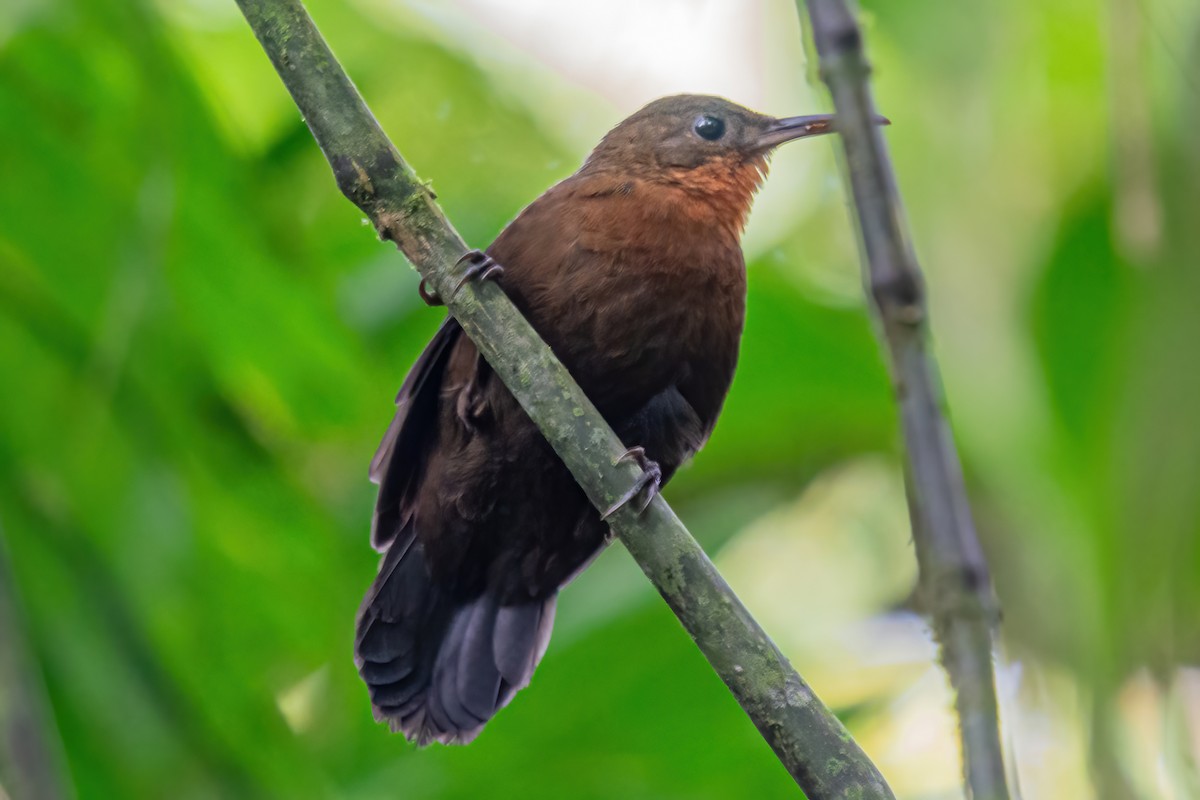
955 582
808 739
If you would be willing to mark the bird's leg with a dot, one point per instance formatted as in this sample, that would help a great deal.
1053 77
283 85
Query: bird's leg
471 403
480 266
645 488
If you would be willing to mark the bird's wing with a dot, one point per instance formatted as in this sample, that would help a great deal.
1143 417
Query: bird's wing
668 428
399 458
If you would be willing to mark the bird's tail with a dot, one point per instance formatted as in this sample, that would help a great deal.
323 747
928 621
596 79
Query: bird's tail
438 669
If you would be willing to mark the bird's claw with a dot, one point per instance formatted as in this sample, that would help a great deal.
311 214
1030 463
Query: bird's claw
644 489
429 296
480 266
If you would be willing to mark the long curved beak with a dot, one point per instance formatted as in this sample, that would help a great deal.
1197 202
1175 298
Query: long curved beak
789 128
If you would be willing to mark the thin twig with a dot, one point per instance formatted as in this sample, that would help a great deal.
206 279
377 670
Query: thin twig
955 584
808 739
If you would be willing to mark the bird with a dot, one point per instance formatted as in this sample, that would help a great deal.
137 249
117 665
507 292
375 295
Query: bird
631 270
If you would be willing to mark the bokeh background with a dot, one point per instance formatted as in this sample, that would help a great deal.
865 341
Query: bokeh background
200 341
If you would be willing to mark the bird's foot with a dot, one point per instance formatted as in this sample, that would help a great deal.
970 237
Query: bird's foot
480 267
644 489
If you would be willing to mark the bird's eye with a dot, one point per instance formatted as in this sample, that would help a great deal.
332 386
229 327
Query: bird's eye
711 128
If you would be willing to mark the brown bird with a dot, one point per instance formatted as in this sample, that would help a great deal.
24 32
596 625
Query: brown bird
632 271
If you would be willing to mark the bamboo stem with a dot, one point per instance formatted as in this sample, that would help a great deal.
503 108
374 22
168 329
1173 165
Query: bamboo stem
955 583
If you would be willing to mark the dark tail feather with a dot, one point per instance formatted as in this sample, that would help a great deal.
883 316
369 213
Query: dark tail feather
439 670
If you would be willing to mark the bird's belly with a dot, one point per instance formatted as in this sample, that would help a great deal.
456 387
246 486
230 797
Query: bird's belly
628 336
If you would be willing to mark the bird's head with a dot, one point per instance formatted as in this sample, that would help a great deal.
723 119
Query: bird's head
705 145
687 131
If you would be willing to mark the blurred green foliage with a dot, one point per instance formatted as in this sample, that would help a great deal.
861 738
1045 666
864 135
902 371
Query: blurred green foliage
199 341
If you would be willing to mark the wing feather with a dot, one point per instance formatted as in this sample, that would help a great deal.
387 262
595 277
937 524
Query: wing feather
398 460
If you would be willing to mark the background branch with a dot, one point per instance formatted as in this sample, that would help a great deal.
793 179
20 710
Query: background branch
955 583
808 739
31 760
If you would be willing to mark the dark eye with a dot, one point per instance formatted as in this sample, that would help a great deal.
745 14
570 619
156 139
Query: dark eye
711 128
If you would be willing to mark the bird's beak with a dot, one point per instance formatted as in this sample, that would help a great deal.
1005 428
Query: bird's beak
788 128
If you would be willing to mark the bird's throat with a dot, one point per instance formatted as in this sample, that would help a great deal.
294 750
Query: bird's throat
722 190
